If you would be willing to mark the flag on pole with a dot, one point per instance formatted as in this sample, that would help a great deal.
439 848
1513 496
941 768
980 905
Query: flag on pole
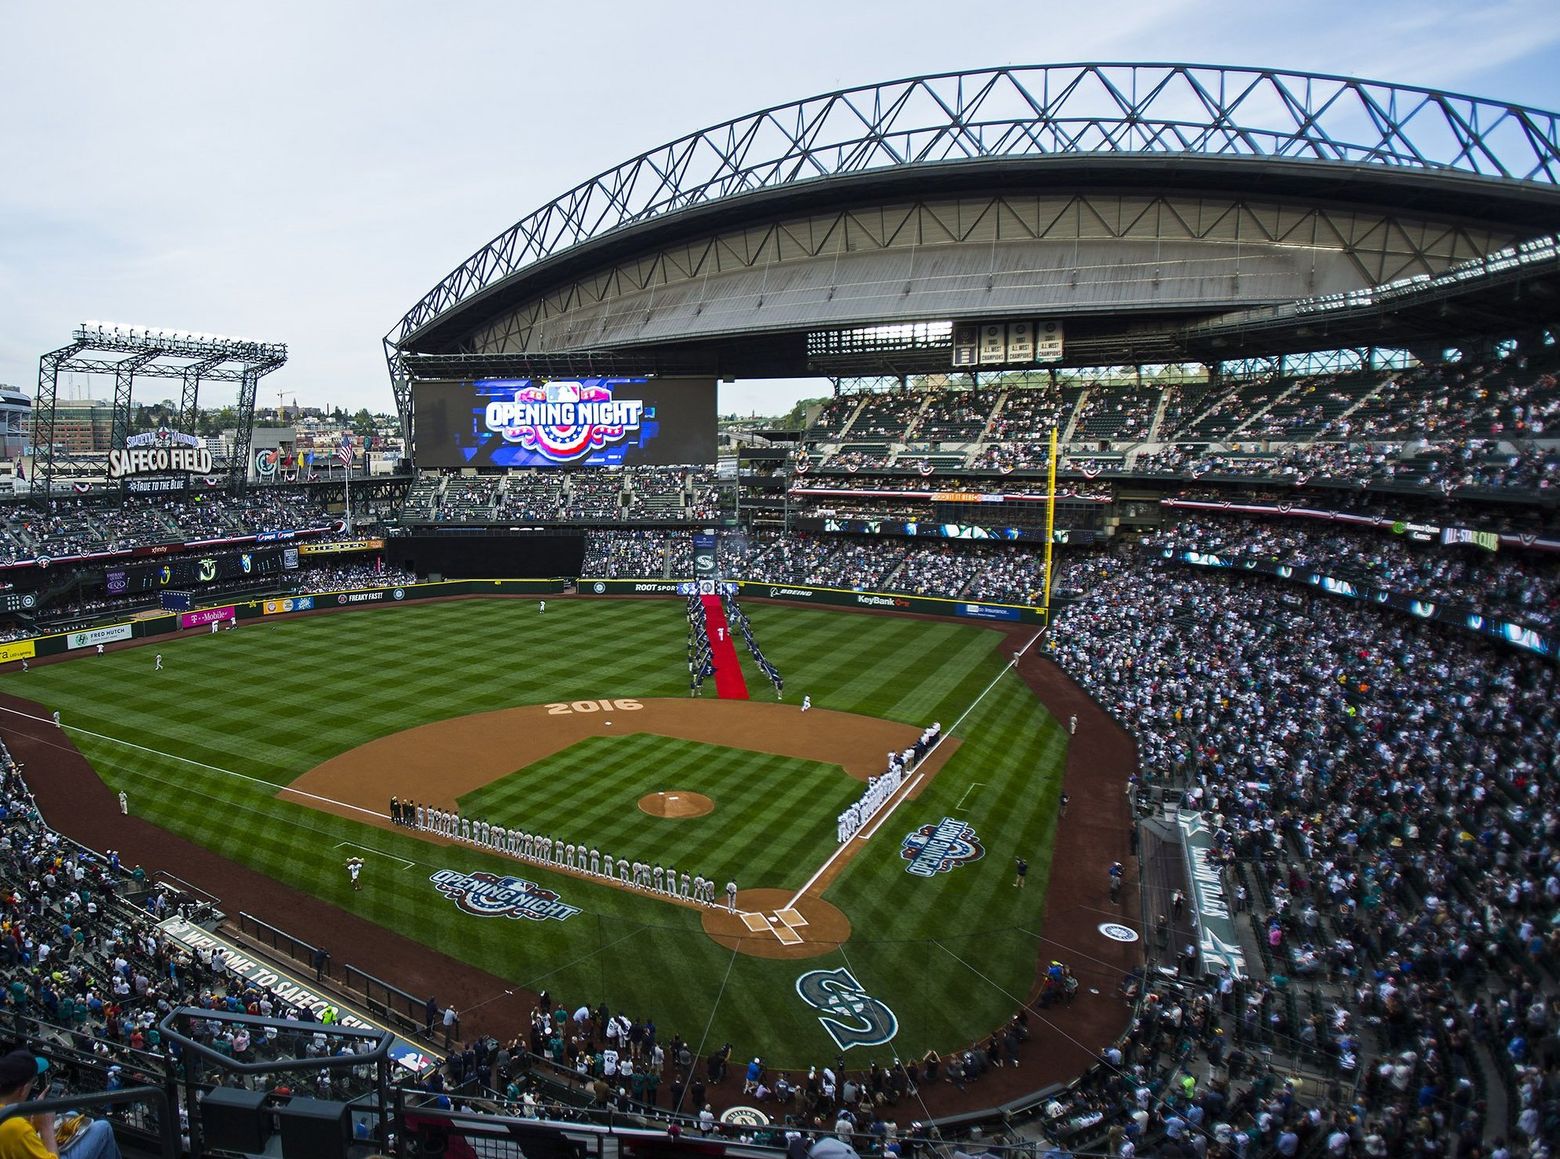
344 452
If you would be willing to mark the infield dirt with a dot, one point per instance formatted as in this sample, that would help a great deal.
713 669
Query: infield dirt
435 764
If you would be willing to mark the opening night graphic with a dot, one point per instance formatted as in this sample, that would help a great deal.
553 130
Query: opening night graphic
576 422
486 895
940 848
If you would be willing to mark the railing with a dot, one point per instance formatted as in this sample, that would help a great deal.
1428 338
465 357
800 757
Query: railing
166 1136
404 1010
281 940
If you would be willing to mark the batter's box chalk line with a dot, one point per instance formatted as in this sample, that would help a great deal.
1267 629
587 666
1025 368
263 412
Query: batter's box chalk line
405 864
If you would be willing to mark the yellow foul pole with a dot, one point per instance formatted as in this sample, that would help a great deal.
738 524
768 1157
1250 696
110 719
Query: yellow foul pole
1050 526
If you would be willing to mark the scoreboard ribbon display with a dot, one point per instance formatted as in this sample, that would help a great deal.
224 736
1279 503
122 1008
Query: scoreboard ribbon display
577 422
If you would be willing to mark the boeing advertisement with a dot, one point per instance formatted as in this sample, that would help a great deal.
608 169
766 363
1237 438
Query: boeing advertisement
573 422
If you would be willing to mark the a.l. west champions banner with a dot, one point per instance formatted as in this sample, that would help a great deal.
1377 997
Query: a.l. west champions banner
577 422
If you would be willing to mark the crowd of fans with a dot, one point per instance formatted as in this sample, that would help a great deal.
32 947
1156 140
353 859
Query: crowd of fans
1382 794
347 576
1525 588
1384 800
82 526
87 976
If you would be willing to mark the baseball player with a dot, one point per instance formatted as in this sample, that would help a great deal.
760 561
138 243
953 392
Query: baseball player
100 650
215 627
731 896
124 803
685 885
595 860
1072 725
657 873
56 718
157 667
541 606
354 870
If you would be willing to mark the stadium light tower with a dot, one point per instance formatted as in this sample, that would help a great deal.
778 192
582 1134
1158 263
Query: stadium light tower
155 352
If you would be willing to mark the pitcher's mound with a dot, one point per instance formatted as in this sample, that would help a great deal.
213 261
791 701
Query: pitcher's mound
676 803
765 928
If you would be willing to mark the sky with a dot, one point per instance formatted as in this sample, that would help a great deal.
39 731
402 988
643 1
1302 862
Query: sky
303 171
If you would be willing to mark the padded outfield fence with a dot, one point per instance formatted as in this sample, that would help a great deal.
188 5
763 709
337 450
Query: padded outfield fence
87 640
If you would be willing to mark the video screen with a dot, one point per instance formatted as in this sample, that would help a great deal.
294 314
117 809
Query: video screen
575 422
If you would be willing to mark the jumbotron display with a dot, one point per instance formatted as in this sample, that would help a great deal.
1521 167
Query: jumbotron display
576 422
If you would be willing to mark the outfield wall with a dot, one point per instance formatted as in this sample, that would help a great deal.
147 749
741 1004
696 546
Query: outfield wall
148 627
828 597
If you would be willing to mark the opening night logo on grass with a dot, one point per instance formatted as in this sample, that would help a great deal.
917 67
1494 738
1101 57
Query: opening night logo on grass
486 895
938 848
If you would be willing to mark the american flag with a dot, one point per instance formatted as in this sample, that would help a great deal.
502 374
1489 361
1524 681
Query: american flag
344 452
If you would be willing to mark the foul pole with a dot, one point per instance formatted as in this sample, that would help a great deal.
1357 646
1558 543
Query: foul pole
1050 527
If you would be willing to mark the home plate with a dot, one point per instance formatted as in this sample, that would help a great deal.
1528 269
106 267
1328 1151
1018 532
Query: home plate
787 936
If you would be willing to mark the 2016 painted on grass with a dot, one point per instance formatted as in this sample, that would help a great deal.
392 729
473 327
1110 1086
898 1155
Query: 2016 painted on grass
560 708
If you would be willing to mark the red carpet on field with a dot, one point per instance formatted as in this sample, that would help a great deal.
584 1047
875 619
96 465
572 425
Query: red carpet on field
729 683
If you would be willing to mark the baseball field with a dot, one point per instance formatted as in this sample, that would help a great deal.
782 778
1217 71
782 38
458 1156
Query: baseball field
279 746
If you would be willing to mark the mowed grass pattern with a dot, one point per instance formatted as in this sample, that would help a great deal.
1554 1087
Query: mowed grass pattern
201 747
592 789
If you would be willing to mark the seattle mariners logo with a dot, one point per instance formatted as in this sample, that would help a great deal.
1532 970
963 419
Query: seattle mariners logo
565 420
486 895
938 848
860 1019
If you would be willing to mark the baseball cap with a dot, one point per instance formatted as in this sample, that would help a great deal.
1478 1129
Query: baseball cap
20 1066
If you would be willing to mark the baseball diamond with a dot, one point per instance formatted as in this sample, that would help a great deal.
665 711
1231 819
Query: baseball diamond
489 717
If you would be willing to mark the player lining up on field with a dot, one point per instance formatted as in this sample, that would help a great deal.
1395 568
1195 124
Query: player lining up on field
881 788
554 853
701 666
735 615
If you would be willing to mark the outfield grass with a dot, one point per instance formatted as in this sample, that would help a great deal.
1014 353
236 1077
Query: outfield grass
201 747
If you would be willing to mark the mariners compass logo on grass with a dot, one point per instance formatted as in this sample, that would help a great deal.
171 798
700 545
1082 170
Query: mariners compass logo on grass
486 895
939 848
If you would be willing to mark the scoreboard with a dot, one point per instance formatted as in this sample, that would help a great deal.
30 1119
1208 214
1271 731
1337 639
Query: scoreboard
576 422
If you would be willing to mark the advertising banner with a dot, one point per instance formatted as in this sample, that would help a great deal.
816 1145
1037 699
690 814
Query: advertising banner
704 556
836 597
290 604
207 616
1217 944
17 650
96 636
341 547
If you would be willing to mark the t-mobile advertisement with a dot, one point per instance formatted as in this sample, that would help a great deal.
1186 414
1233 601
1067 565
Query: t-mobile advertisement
575 422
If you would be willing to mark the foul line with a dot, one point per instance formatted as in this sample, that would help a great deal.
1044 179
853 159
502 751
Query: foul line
272 785
886 809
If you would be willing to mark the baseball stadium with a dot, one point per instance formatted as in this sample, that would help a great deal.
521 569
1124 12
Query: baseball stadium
1117 720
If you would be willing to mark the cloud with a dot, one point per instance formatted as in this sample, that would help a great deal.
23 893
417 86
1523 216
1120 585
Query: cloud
303 172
